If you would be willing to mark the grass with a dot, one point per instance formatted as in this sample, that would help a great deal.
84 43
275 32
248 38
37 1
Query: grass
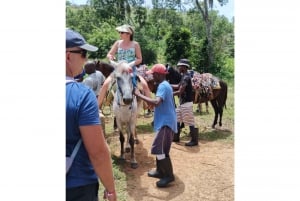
203 122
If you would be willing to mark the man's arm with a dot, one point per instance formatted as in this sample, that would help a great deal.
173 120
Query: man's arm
180 90
99 155
151 101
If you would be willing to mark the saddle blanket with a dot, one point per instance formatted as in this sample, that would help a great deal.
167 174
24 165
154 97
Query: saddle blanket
141 70
205 80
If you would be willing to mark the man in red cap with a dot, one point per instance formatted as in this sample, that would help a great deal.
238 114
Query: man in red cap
165 125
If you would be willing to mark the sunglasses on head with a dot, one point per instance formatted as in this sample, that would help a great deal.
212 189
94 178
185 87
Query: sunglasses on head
82 52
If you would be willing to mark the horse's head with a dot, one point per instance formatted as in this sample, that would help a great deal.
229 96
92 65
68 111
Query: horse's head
173 77
123 76
105 68
89 67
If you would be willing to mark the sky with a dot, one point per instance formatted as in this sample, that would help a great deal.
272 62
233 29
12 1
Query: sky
227 10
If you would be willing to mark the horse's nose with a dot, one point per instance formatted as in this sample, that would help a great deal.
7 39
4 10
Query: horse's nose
127 100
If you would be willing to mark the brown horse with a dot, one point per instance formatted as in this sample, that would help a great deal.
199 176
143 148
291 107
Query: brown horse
105 68
217 98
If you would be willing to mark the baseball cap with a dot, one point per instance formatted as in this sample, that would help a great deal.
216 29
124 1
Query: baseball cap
125 28
183 62
158 68
74 39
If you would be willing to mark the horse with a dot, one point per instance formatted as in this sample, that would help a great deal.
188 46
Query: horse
217 96
125 108
105 68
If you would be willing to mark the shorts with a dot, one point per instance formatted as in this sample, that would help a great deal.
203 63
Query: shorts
185 114
162 141
83 193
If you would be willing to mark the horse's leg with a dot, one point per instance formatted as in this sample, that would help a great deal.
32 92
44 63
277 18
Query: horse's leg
131 132
215 106
136 140
221 114
220 109
122 139
200 107
206 104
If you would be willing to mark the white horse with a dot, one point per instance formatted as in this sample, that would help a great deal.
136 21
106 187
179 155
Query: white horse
125 108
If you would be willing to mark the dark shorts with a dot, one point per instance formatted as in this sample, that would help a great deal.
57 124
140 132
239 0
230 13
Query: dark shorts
162 141
83 193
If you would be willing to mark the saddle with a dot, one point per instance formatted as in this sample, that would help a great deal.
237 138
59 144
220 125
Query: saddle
141 71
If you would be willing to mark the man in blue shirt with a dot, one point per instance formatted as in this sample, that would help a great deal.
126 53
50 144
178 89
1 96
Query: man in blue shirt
92 160
165 125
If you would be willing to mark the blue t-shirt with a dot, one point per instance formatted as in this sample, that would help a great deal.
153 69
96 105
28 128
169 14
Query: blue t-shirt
81 109
164 113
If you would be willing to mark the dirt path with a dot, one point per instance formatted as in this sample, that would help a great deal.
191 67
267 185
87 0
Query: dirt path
204 173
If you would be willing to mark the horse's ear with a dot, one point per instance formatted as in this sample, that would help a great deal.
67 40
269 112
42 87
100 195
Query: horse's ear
113 63
97 62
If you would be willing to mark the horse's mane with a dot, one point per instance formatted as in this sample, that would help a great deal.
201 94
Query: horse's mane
122 66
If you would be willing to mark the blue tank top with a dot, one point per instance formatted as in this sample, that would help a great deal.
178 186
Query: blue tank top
126 54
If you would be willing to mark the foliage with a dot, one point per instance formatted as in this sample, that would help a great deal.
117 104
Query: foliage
168 31
178 45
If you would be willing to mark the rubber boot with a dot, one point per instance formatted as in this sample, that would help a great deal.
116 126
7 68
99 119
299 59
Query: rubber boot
167 172
194 139
156 172
176 137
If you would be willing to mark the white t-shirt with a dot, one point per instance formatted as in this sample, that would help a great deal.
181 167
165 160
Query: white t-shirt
94 81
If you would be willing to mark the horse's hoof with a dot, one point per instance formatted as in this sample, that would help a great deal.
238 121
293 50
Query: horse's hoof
134 165
127 149
136 141
220 124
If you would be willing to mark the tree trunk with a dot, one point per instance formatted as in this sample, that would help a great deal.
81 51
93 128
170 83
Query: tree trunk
208 23
210 51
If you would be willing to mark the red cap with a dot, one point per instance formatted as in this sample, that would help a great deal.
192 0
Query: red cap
158 68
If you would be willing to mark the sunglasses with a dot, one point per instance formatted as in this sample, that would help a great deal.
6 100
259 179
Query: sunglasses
82 52
122 32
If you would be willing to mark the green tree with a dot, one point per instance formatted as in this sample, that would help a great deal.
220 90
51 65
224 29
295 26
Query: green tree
178 45
204 10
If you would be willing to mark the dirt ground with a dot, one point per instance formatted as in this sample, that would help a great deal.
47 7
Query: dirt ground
202 173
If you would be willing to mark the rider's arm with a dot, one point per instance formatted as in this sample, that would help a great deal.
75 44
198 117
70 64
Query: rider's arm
103 91
111 54
138 54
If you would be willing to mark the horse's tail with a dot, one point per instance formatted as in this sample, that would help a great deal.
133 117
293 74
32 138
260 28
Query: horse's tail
224 88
